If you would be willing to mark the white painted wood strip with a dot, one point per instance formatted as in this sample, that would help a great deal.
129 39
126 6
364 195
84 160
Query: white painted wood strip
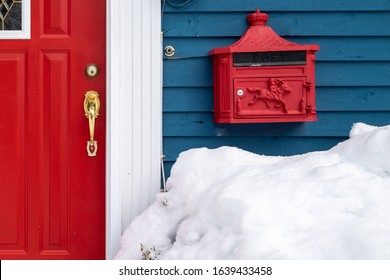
133 114
156 98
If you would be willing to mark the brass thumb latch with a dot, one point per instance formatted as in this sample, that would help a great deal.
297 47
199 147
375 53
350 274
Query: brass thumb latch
91 108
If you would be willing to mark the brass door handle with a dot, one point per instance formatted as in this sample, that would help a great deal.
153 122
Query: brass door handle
91 109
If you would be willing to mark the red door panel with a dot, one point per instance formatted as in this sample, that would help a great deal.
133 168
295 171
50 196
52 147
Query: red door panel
52 194
55 140
13 155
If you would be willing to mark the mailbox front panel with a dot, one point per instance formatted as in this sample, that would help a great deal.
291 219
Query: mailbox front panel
276 99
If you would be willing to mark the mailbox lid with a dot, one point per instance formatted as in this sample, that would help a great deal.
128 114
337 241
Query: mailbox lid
262 38
275 99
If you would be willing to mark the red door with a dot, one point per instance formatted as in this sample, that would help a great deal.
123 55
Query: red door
52 193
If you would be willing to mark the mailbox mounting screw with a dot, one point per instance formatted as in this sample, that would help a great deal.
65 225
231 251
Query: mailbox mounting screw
169 51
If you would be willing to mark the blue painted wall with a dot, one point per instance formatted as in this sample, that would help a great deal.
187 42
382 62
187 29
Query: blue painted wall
352 72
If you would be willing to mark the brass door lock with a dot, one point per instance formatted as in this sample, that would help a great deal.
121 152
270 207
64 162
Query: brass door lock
91 70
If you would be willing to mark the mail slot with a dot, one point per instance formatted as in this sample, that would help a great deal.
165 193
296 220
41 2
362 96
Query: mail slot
264 78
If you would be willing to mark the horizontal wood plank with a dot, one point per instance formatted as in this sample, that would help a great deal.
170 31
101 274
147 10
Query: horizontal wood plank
197 72
280 5
275 146
284 23
200 99
329 124
331 48
270 146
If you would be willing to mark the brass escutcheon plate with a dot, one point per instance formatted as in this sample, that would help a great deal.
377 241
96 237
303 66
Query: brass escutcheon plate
91 70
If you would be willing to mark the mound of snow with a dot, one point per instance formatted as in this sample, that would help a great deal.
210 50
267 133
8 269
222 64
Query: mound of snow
227 203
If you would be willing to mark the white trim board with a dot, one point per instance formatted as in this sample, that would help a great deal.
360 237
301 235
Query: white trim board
134 113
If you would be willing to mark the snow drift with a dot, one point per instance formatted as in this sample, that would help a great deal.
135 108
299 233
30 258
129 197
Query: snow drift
227 203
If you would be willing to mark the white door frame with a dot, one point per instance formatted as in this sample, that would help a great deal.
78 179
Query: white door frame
134 113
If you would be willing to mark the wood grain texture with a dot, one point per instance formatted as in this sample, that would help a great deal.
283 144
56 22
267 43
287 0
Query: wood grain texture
312 23
329 124
333 48
338 98
283 146
282 5
197 72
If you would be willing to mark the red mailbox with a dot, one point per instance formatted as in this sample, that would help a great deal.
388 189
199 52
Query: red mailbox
264 78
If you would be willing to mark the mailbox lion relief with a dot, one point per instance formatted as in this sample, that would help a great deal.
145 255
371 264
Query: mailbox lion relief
264 78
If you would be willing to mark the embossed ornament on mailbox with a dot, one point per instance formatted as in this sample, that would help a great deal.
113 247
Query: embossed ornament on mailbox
264 78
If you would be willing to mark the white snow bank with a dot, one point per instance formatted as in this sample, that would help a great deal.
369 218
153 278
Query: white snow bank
227 203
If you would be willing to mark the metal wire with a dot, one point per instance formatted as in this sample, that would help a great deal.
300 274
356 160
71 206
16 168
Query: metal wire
180 5
175 5
164 189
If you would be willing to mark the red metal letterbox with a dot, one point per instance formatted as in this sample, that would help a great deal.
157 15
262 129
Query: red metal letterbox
264 78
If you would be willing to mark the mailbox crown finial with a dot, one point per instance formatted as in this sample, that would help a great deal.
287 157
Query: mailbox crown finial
257 18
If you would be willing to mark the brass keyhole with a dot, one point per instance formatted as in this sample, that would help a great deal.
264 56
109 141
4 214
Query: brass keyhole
91 70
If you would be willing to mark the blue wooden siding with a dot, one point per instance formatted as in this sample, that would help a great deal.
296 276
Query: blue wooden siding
352 72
